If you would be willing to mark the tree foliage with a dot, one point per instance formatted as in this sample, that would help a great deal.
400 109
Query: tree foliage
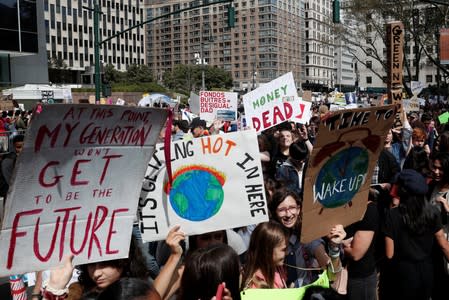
186 78
422 21
134 74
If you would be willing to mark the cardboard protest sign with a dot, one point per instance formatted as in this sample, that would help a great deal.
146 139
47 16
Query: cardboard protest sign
218 106
217 184
76 185
341 166
274 103
395 57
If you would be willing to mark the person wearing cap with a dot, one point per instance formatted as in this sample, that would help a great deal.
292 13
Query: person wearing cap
179 129
410 231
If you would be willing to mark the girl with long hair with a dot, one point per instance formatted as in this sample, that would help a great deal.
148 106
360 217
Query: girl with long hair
410 231
265 257
303 261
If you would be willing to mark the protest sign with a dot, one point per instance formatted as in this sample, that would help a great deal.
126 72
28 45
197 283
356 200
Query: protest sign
290 294
443 118
410 104
218 106
395 57
217 184
274 103
341 166
417 87
194 103
76 185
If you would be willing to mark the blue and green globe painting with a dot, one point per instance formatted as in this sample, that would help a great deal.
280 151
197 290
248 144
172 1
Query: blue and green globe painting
341 177
197 192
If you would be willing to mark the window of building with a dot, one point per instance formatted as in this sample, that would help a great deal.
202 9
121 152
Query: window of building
369 80
429 78
369 64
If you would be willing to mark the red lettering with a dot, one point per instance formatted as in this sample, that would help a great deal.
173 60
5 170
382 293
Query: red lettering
15 234
111 231
288 110
301 108
256 123
69 132
52 243
106 165
265 120
64 226
97 224
86 234
277 114
42 175
43 130
76 171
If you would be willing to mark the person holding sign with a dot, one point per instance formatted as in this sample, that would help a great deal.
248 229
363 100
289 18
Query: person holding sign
303 259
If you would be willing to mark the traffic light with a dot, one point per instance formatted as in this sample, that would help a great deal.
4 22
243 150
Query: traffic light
231 16
336 11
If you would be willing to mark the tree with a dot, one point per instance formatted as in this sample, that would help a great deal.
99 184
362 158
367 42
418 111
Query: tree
58 70
111 75
421 23
138 73
186 78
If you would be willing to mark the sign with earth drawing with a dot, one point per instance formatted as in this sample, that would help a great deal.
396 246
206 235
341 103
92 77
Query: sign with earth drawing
216 184
341 166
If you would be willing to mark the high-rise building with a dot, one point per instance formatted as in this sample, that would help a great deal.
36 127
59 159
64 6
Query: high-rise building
266 42
22 50
69 26
319 63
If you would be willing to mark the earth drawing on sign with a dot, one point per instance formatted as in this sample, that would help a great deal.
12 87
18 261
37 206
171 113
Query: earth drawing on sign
196 193
341 177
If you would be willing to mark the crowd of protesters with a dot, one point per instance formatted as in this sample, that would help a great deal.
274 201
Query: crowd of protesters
399 250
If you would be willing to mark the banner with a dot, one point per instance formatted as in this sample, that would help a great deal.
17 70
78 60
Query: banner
218 106
217 184
76 185
341 166
284 294
274 103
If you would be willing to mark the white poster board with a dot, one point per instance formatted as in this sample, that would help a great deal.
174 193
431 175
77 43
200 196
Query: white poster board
216 105
274 103
76 185
217 184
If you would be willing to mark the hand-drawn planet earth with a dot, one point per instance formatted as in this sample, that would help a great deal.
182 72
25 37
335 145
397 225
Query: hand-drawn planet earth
341 177
197 193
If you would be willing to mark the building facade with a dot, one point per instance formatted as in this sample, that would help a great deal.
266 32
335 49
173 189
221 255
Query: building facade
266 42
69 26
22 51
320 52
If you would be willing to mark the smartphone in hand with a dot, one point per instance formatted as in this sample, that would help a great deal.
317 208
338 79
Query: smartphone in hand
219 293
